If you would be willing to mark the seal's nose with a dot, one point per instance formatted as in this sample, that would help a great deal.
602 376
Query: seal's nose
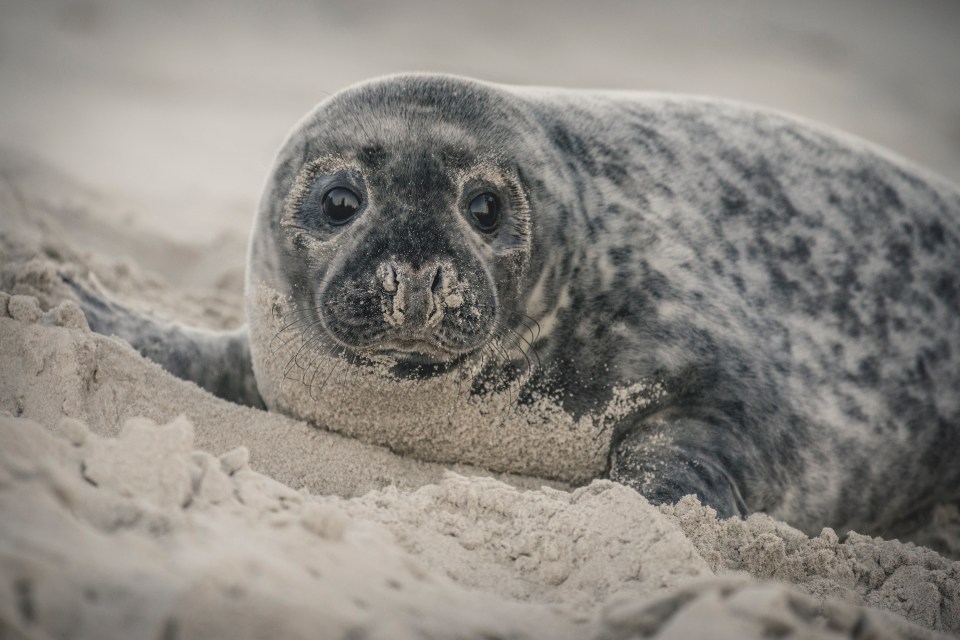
415 298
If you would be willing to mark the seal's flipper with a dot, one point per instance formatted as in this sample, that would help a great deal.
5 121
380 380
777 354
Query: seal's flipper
667 459
218 361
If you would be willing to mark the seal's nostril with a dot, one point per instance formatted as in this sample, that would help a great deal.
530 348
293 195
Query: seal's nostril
436 286
435 298
388 277
394 303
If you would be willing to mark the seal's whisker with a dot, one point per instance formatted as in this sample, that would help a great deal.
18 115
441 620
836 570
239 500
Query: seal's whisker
280 316
456 399
319 353
516 343
300 331
309 318
324 366
514 406
485 352
336 364
534 321
529 329
293 359
524 319
504 329
506 381
529 348
312 340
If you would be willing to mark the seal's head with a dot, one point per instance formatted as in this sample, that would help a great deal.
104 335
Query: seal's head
397 222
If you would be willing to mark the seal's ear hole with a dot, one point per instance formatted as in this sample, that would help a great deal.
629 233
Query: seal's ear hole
484 212
340 204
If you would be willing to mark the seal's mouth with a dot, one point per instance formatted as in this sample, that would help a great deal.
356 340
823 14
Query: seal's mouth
416 351
417 359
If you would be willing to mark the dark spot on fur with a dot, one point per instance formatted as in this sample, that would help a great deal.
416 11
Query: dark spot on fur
785 288
947 289
900 255
848 320
573 146
738 282
653 144
931 236
921 369
852 409
799 250
731 252
621 256
615 173
655 284
848 280
868 372
732 200
373 155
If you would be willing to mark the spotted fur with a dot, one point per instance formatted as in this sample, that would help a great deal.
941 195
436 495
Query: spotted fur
794 293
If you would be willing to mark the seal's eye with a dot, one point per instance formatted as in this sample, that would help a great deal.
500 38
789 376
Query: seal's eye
340 204
485 212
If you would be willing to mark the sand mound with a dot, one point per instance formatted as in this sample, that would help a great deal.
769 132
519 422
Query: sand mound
133 504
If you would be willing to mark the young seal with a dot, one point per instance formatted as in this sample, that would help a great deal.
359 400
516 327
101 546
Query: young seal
685 295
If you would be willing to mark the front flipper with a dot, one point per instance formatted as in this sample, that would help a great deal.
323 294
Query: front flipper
667 457
218 361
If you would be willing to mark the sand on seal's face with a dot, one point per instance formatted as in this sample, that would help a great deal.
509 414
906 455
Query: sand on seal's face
119 519
298 376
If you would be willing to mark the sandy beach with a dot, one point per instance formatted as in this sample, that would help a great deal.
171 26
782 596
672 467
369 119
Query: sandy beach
134 139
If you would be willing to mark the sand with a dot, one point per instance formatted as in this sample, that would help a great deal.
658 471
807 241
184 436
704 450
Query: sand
133 504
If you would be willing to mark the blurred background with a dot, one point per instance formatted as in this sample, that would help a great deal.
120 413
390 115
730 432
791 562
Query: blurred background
177 107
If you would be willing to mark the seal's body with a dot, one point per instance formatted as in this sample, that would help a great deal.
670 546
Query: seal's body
689 296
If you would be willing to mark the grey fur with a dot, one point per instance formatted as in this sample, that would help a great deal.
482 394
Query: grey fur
795 292
216 361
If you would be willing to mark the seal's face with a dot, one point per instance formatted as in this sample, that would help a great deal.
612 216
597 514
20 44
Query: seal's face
403 232
410 239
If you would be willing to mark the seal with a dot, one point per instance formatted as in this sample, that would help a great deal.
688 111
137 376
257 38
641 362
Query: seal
686 295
